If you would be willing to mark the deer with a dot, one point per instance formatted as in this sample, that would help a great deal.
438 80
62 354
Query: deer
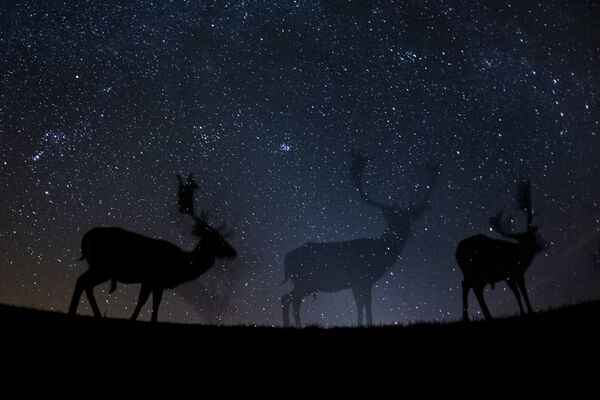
353 264
484 260
115 254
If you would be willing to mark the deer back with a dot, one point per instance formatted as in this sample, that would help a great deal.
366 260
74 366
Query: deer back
130 256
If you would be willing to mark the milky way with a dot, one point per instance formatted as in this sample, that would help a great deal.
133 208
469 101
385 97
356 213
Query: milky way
103 104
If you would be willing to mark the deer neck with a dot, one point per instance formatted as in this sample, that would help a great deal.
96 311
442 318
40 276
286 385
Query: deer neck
202 258
527 250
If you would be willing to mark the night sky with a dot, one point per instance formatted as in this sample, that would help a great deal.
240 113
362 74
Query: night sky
102 104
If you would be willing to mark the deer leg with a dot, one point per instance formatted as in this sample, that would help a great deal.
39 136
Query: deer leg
521 284
79 287
479 294
465 294
360 304
87 281
296 303
89 291
286 300
156 298
144 294
513 286
368 307
359 307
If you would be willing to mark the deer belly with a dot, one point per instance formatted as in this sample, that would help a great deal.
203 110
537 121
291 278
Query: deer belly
137 275
492 273
334 281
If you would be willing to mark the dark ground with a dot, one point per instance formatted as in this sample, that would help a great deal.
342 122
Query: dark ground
553 353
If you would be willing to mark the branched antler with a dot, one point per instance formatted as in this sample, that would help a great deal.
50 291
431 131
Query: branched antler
523 198
502 225
186 206
359 163
432 171
186 194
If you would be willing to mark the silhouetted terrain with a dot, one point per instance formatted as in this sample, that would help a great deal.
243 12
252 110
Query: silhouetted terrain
553 352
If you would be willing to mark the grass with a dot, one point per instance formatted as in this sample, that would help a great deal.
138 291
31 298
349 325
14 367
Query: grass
551 352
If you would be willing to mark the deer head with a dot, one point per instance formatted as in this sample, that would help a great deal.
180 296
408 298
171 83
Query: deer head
503 225
212 238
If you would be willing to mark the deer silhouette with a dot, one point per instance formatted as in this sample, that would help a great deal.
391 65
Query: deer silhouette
484 260
354 264
119 255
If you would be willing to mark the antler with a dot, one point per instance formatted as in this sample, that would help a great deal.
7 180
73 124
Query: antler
222 228
201 226
502 225
523 198
433 171
186 194
356 170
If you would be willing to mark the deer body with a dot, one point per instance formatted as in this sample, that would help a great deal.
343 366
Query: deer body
129 257
485 260
340 265
354 264
331 267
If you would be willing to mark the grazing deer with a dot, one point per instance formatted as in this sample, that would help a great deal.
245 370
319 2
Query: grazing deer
484 260
354 264
118 255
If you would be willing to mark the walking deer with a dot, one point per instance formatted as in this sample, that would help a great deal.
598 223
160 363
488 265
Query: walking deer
484 260
119 255
355 264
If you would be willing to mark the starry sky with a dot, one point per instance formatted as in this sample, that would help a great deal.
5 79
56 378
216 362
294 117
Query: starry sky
103 104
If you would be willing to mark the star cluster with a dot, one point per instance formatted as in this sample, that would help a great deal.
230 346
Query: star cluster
103 104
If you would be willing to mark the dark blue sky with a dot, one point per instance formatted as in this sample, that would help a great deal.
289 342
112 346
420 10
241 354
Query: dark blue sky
101 105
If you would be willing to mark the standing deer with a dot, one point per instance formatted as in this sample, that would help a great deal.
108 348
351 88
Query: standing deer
353 264
118 255
484 260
